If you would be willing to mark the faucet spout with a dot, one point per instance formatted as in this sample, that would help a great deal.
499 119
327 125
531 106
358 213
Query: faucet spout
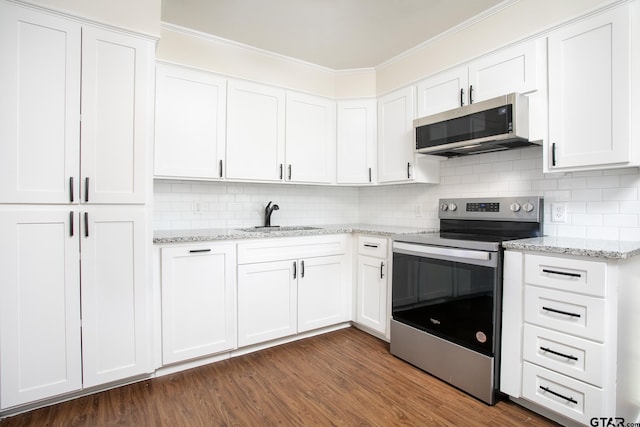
267 213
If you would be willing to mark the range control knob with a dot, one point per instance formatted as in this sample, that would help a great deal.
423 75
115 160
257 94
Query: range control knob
528 207
452 207
515 207
444 207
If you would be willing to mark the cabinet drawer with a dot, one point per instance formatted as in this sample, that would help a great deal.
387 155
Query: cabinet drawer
576 357
566 396
572 275
569 313
278 249
372 246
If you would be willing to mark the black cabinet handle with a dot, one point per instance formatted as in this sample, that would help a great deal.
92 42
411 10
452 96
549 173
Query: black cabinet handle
408 170
369 174
220 168
568 399
86 224
71 189
295 269
562 273
86 189
461 97
568 356
280 170
71 223
471 94
302 269
381 270
566 313
289 173
553 154
369 245
195 251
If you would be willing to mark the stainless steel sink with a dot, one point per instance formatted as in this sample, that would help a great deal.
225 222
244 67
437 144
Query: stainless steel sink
262 229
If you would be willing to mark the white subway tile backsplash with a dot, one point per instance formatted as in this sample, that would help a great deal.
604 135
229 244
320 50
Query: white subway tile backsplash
600 204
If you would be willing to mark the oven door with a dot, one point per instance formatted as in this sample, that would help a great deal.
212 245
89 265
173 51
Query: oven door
452 293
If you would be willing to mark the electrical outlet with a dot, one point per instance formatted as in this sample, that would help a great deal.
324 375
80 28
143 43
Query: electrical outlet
197 207
418 211
558 212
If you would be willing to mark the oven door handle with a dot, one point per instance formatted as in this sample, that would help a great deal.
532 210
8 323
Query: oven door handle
426 250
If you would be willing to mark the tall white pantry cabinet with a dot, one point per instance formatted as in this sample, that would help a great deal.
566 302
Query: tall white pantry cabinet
74 126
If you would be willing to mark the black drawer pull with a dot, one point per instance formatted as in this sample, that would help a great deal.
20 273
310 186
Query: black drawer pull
71 189
566 313
548 350
568 399
195 251
86 190
369 245
382 270
562 273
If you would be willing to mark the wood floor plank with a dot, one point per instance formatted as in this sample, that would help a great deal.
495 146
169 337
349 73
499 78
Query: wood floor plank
344 378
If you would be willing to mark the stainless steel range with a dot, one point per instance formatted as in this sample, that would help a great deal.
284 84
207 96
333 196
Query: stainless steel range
447 290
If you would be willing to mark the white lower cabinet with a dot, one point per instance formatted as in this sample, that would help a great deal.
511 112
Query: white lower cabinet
267 296
198 300
566 338
40 353
372 309
291 285
45 348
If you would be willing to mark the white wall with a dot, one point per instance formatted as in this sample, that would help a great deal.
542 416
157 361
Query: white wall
141 16
600 204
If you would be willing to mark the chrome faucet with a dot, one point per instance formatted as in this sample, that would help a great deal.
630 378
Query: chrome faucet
267 214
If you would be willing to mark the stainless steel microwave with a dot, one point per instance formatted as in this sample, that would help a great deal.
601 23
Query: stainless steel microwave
496 124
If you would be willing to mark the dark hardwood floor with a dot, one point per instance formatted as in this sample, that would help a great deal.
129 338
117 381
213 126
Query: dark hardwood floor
344 378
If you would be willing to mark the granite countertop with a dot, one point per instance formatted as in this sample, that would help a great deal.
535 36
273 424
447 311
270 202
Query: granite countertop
609 249
183 236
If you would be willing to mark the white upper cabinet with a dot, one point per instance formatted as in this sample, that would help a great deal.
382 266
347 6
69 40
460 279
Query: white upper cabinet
590 93
49 154
190 123
356 142
513 69
39 106
255 132
310 152
443 91
397 161
116 72
508 70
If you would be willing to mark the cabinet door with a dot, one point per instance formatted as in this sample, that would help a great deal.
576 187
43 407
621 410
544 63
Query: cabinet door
395 136
190 123
115 338
267 298
356 142
115 115
39 306
198 301
255 132
310 151
442 92
323 292
371 310
39 106
505 71
589 93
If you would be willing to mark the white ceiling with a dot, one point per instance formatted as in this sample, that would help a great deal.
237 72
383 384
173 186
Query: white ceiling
338 34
